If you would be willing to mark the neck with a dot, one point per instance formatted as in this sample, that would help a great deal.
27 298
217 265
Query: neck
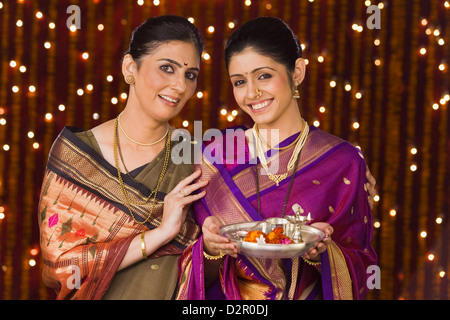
281 128
141 128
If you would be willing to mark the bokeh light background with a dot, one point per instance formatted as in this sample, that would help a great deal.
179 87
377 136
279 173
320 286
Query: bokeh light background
385 90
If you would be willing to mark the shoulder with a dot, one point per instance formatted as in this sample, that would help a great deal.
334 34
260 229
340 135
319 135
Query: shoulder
215 138
103 133
336 145
73 137
223 146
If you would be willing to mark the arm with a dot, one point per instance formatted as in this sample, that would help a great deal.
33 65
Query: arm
176 204
215 245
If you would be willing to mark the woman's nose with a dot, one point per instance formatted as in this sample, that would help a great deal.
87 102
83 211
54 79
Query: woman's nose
179 84
252 91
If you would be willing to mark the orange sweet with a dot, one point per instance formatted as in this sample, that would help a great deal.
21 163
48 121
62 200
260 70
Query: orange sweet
277 236
252 235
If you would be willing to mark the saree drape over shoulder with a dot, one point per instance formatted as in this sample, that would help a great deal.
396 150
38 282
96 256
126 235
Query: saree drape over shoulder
85 229
329 184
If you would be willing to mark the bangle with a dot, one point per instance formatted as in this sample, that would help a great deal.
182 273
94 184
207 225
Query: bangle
144 252
209 257
311 263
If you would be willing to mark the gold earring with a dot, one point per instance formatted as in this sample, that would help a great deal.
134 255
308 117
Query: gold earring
296 94
259 93
129 79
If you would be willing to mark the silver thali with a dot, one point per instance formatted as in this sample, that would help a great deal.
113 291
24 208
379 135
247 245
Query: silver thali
237 232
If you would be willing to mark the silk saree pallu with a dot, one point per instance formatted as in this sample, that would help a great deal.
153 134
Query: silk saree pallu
329 184
85 229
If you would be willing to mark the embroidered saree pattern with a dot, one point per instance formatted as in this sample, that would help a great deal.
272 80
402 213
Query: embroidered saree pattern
85 230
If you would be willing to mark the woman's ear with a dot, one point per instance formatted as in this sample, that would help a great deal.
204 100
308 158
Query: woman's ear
299 71
129 66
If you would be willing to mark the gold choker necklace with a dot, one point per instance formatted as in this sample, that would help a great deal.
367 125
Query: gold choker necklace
140 143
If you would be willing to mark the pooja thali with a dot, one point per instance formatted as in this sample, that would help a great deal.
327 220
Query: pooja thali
238 232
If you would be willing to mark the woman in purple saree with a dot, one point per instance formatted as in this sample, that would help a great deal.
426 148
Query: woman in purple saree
322 173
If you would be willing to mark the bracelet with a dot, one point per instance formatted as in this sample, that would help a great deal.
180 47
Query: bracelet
144 252
311 263
209 257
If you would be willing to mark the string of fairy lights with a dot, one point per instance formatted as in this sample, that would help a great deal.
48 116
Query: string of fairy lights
229 114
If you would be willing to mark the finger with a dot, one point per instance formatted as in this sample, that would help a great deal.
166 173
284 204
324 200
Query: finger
192 187
214 237
370 177
328 230
324 227
217 245
321 247
234 254
186 181
370 188
312 254
212 223
189 199
229 248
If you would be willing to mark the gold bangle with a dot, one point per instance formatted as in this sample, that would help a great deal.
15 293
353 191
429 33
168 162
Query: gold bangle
209 257
144 252
311 263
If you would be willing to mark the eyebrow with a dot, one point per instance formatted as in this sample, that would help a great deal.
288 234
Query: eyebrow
255 70
178 64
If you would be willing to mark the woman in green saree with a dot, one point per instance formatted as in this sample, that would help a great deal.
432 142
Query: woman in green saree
114 210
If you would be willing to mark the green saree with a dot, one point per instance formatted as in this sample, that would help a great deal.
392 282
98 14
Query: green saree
86 229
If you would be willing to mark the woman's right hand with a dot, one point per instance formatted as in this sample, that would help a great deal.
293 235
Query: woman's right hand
177 202
213 243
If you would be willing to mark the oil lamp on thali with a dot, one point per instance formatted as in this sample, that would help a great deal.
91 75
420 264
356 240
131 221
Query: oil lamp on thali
298 221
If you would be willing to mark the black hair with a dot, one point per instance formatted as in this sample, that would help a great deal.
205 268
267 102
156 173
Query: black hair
155 31
268 36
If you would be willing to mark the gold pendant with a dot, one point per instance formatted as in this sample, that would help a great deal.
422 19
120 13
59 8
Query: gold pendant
277 178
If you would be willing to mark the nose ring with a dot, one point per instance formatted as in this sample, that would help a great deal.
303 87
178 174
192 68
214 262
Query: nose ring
259 93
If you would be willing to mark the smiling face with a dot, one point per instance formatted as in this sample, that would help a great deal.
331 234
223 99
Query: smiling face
275 107
164 80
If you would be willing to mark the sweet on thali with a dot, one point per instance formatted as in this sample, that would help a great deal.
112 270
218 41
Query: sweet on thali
276 236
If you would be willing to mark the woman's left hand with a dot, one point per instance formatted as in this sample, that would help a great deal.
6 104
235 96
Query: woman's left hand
370 185
314 253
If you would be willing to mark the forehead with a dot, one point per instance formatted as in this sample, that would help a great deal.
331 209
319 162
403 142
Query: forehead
250 59
180 51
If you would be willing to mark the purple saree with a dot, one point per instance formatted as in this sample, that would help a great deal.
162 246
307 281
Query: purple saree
329 183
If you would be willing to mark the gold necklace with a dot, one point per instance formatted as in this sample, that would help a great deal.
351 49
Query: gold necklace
127 172
277 178
140 143
127 201
275 148
258 193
